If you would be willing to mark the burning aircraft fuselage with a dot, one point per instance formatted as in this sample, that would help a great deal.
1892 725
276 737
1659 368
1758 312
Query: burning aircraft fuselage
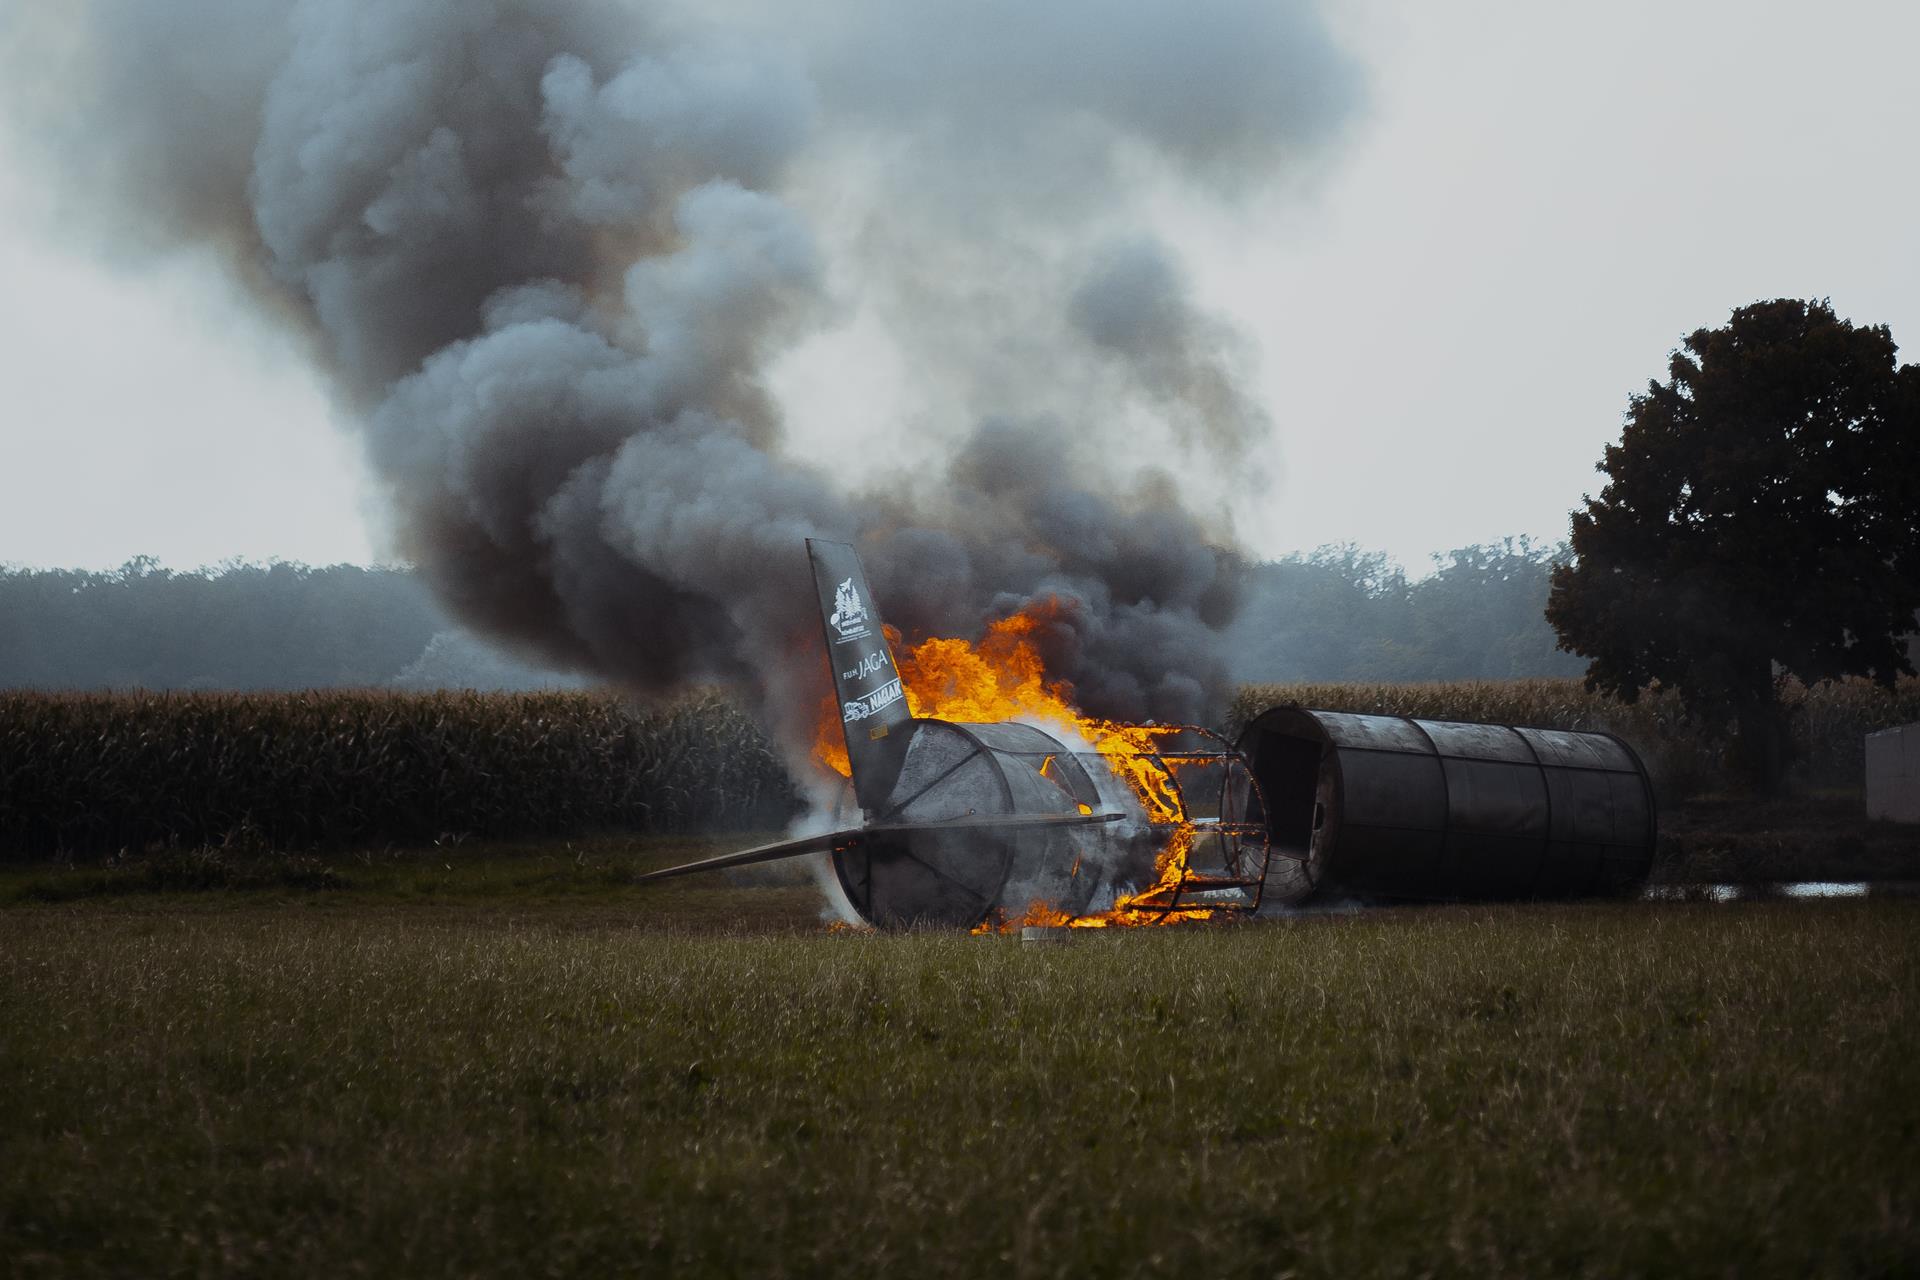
1049 816
1044 816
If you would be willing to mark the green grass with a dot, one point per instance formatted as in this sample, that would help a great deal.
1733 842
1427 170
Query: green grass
490 1073
1823 835
1814 836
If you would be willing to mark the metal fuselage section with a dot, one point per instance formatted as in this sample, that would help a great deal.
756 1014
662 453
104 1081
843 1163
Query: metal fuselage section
1391 808
909 869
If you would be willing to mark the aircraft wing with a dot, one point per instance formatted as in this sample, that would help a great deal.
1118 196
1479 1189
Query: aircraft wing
830 839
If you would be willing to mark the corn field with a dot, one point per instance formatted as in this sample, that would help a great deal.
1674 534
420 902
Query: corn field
1829 721
136 772
92 774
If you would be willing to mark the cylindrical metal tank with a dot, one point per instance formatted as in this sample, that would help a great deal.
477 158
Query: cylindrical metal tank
1393 808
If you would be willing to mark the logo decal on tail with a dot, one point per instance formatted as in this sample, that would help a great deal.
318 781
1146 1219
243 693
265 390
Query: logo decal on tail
878 700
849 616
867 666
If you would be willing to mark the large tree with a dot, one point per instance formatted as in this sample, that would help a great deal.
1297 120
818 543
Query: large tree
1761 518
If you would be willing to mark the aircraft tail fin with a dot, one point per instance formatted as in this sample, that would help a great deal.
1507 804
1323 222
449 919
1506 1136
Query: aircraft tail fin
866 683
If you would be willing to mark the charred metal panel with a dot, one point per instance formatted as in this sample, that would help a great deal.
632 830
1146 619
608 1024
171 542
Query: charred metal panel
1391 807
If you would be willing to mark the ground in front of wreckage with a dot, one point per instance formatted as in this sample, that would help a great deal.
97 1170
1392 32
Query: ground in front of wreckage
511 1061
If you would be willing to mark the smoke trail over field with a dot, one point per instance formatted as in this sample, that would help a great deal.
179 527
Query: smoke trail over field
549 256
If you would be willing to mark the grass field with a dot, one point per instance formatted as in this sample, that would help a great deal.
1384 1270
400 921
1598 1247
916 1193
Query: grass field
519 1063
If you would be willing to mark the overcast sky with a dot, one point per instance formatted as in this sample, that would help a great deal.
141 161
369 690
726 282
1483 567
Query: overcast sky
1536 204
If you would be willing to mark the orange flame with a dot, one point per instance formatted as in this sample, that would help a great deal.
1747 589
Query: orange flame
1130 910
1004 678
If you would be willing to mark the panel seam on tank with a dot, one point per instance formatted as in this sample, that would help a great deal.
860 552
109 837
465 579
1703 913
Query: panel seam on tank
948 772
1446 799
1571 768
938 874
1546 786
1646 790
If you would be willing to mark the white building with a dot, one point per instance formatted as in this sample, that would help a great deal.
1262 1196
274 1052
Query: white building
1893 774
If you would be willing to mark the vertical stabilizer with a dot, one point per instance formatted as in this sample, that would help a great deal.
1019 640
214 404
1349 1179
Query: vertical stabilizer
866 684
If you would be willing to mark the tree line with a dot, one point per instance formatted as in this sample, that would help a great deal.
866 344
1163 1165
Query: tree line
1343 613
1759 527
1338 613
239 626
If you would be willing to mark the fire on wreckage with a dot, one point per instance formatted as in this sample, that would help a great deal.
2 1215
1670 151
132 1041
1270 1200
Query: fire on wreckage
988 802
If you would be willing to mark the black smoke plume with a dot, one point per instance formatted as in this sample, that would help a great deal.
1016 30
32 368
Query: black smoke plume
548 255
